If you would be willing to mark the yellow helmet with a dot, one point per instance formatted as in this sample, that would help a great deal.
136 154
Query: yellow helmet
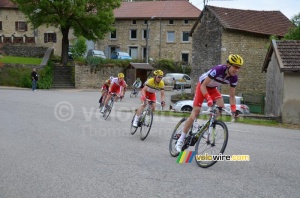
235 59
158 73
120 75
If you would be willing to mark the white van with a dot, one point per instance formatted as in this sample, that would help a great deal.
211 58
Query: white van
180 79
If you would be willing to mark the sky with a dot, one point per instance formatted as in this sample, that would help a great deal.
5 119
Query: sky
289 8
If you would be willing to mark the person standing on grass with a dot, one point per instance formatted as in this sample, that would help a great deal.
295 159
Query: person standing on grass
34 78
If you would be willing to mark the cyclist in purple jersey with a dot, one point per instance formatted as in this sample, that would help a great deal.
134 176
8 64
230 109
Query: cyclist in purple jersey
207 89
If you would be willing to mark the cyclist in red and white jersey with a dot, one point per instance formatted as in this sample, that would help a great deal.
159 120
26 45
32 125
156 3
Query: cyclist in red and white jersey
116 86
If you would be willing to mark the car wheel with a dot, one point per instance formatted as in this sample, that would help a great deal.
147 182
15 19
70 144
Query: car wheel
186 108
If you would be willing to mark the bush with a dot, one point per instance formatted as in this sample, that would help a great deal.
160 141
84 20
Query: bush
45 77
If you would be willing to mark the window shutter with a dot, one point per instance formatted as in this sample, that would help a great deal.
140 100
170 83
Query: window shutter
25 26
54 38
16 25
45 38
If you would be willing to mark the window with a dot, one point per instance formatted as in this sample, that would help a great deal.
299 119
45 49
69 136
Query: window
145 22
0 25
171 36
185 37
20 26
144 36
185 21
113 35
133 21
171 22
133 34
49 37
185 57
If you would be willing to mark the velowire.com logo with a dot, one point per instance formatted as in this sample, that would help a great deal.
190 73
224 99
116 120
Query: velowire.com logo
187 157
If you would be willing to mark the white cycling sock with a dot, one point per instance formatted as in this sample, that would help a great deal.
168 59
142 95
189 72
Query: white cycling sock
182 136
137 118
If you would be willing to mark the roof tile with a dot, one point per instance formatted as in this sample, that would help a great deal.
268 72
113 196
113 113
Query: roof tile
262 22
7 4
158 9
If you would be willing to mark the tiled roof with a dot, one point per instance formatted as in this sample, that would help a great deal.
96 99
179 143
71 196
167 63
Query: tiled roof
159 9
261 22
287 53
7 4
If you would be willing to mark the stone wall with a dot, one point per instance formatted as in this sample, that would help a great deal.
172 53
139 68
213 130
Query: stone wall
24 51
88 77
159 48
212 44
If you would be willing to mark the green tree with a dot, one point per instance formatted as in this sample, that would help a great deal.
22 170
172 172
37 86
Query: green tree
79 48
89 18
294 33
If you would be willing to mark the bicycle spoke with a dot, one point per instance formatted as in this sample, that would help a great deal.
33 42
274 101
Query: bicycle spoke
146 123
175 136
212 146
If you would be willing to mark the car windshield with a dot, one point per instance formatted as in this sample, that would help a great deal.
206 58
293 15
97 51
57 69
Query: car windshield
123 54
98 52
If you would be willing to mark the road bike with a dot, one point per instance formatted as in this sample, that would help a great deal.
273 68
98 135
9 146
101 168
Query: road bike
110 105
134 92
104 94
209 139
145 122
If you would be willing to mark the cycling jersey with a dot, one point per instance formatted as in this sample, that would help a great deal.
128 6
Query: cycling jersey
153 87
218 75
116 85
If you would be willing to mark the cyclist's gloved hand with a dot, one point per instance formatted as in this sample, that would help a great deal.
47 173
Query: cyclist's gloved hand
208 99
234 113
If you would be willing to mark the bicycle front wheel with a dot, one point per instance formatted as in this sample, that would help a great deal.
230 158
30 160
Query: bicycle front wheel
146 123
108 110
132 128
175 136
211 145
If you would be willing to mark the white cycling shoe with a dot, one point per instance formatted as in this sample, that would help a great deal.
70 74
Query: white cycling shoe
179 145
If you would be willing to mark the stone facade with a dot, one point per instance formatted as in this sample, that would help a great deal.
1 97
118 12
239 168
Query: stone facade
158 46
212 44
87 77
25 51
9 35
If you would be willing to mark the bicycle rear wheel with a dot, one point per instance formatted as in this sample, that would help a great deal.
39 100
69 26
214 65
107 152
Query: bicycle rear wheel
132 128
108 109
209 146
175 136
146 123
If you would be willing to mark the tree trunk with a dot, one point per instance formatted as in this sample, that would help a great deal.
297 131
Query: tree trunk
65 46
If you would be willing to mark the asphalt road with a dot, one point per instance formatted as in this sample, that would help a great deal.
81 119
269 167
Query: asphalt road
54 143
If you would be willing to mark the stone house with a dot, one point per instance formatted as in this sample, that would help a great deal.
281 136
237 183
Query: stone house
15 30
167 24
282 67
224 31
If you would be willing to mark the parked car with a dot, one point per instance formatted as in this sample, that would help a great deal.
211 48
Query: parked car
70 54
180 79
96 53
187 105
120 55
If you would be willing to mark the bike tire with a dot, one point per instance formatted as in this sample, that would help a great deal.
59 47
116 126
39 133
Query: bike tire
131 94
108 110
146 123
175 136
132 128
203 146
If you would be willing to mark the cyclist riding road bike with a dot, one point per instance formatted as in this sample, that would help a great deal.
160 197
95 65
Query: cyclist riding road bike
207 89
152 86
117 85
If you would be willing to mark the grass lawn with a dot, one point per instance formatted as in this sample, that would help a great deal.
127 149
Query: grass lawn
21 60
